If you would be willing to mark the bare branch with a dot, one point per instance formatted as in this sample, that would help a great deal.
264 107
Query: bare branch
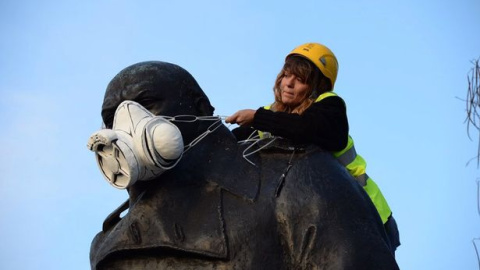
473 102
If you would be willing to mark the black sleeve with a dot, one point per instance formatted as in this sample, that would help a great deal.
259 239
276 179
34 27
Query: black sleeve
324 123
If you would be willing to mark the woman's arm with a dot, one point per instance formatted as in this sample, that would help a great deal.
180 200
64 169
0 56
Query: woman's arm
324 123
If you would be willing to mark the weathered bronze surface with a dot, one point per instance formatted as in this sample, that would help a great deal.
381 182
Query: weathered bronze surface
215 210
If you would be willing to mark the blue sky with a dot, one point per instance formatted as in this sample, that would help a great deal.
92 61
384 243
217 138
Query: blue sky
403 68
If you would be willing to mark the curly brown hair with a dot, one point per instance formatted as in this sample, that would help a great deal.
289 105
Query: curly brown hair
308 73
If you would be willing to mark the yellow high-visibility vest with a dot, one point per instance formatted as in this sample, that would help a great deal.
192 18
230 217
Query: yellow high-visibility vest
356 166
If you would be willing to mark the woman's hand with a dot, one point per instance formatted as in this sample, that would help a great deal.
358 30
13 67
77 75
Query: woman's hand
242 117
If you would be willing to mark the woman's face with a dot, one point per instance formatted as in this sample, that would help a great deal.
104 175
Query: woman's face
293 89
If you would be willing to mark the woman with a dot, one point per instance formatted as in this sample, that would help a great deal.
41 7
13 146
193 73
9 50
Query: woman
295 114
306 110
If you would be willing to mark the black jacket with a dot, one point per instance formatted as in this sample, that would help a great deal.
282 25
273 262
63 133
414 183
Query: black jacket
324 124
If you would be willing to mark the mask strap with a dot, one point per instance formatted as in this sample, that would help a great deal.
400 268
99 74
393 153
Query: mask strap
192 118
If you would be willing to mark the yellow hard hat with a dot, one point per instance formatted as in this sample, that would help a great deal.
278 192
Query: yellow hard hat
321 56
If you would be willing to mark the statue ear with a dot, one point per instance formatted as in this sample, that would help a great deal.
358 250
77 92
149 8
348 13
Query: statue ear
200 100
202 104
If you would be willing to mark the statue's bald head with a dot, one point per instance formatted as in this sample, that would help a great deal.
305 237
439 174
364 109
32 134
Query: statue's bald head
163 88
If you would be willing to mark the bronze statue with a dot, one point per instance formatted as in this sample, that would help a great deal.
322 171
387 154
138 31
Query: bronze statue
285 207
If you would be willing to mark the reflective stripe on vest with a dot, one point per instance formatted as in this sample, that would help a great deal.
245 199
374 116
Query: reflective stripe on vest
348 157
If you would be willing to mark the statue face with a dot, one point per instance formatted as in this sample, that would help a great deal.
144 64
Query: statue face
162 88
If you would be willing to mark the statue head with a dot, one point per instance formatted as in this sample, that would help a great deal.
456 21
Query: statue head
162 88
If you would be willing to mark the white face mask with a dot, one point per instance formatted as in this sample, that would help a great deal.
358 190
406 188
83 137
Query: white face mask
140 146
